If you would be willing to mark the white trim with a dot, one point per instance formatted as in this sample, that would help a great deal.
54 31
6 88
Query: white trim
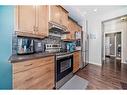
96 63
115 45
112 55
124 62
118 58
110 32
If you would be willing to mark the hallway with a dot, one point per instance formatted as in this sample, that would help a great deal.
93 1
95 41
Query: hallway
112 75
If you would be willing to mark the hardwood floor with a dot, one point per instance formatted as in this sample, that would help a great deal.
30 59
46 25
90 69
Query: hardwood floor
111 75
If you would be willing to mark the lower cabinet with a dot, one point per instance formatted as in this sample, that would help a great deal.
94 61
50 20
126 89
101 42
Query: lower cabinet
34 74
77 61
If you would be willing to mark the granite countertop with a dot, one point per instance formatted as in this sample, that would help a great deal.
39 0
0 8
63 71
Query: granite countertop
19 58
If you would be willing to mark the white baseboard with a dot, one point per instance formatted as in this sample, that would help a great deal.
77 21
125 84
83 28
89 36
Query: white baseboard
124 62
95 63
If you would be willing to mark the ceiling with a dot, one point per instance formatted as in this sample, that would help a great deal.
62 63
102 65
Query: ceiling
80 12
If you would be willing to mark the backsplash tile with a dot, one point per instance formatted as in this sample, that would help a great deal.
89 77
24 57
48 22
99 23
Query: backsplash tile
47 40
14 43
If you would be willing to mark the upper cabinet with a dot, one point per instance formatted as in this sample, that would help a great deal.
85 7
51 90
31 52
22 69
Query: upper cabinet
58 15
64 17
72 28
42 20
54 14
25 18
31 21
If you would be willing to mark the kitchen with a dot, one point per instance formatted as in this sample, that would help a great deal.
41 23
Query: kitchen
46 53
50 46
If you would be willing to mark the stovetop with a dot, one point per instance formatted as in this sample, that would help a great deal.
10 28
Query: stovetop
61 53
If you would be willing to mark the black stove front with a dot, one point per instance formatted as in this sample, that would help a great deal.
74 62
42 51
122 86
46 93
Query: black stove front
64 69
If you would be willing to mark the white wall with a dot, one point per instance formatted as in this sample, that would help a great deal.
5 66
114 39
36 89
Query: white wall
94 26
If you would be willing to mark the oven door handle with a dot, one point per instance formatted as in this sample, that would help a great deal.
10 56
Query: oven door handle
63 56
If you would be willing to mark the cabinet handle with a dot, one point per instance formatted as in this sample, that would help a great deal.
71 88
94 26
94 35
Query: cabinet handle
29 79
28 65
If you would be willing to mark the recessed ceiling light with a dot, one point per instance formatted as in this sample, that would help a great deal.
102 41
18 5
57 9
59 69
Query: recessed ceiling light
95 10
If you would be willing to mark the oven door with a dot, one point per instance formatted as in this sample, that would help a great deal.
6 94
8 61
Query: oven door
64 66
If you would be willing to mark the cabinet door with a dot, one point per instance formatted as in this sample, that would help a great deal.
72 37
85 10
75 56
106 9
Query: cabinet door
39 75
77 61
36 78
70 28
42 20
64 17
26 18
55 14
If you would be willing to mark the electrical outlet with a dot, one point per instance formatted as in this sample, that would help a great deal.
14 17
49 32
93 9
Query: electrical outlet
39 44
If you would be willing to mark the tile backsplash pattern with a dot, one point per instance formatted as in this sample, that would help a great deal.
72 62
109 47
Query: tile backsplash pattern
47 40
14 43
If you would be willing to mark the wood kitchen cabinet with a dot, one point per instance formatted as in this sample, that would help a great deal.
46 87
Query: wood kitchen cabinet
58 15
25 19
77 61
31 20
42 20
71 29
34 74
54 14
64 17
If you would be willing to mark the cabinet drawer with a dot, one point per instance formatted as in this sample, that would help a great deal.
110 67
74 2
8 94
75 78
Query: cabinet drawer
38 78
25 65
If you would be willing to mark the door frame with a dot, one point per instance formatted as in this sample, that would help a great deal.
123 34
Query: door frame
112 32
102 36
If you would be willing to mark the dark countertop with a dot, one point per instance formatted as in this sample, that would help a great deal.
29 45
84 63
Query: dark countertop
19 58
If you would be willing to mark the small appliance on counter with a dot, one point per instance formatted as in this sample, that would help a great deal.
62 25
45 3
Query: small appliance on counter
39 46
78 37
25 45
70 46
78 44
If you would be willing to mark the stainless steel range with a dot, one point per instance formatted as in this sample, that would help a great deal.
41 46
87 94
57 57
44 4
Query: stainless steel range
64 68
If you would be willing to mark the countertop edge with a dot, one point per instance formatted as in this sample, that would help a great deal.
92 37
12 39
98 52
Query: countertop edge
20 58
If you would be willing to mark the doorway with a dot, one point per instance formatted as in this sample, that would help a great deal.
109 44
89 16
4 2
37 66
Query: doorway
112 45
